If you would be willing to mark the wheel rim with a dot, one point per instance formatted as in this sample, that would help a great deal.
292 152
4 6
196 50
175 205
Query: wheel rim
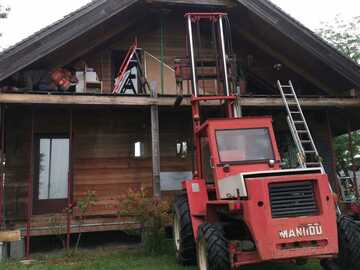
176 232
202 255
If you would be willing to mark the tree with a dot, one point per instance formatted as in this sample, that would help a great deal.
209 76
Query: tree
4 12
344 159
344 36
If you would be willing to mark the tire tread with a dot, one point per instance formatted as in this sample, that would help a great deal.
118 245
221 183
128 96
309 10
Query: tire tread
217 247
187 253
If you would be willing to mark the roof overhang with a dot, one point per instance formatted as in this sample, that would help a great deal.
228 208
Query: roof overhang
343 73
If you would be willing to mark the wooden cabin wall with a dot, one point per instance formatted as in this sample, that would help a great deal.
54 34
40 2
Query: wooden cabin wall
102 150
149 38
17 149
174 126
103 159
256 61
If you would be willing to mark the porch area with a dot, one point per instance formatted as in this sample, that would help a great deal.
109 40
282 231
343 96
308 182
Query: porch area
105 145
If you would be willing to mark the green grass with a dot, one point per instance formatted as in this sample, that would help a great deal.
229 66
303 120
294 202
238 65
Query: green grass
101 259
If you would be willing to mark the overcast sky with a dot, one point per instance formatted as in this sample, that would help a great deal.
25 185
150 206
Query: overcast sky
28 16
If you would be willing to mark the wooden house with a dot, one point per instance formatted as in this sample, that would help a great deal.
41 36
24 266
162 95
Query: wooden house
57 146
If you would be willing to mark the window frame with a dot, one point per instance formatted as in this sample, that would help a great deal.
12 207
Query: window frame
182 154
143 151
44 206
240 162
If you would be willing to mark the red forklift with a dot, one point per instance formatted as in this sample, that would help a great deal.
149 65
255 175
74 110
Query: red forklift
241 207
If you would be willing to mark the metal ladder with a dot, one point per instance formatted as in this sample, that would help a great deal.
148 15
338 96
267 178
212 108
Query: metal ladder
308 154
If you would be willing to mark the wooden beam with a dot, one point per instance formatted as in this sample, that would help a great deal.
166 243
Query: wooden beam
109 100
155 143
75 99
10 236
320 102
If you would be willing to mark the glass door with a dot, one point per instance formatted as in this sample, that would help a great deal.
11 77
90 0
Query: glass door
51 173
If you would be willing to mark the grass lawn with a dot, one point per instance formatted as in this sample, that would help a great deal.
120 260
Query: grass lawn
101 259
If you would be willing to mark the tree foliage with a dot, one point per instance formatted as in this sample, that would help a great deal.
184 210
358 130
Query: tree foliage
343 35
152 213
343 154
4 11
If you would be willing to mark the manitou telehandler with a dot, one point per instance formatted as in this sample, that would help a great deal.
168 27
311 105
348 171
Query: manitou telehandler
241 207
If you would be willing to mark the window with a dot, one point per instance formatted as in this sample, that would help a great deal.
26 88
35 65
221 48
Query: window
241 145
53 168
181 149
206 161
138 149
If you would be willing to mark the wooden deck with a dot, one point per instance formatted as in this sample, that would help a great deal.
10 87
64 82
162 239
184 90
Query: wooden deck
41 225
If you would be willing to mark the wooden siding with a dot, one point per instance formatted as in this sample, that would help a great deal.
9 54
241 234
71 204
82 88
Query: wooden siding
149 39
102 152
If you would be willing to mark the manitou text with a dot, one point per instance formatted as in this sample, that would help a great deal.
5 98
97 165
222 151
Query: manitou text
302 231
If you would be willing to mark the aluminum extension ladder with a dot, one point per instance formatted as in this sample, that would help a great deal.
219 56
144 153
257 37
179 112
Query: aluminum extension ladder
308 154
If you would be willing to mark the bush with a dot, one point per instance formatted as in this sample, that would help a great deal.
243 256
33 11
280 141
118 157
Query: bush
151 213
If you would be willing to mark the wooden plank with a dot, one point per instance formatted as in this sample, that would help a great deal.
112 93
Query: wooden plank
245 101
75 100
10 236
155 143
101 227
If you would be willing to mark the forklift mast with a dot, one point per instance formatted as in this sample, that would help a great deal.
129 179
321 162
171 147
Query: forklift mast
220 59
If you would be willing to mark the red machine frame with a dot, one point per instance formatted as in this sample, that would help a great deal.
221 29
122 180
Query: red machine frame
255 209
312 236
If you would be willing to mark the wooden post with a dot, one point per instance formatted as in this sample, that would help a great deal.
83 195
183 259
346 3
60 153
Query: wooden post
30 185
2 160
155 145
353 166
85 73
162 26
70 182
336 182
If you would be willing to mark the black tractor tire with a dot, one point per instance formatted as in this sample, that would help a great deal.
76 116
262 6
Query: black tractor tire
184 241
212 248
349 246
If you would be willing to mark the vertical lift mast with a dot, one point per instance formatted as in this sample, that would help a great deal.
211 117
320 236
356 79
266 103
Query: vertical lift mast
224 61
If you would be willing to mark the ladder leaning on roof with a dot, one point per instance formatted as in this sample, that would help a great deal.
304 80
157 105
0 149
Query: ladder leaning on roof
308 154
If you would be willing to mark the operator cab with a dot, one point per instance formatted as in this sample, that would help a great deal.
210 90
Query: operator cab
238 145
